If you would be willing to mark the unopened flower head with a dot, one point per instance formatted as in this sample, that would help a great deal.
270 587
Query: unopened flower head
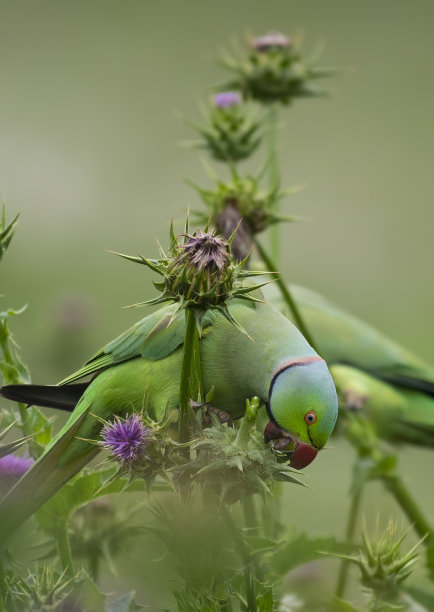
199 272
231 131
202 272
271 40
274 71
126 438
227 99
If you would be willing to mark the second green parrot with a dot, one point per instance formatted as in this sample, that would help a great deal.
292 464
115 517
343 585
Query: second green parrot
372 373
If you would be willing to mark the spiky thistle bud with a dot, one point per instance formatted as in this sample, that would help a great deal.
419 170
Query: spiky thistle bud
200 273
241 200
382 566
274 71
231 131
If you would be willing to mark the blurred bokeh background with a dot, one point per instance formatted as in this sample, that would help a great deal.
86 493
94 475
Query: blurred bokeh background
90 156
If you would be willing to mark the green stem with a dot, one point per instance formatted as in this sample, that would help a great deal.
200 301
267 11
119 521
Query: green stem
2 588
247 422
243 551
64 550
273 177
249 511
186 377
270 265
26 427
349 538
410 508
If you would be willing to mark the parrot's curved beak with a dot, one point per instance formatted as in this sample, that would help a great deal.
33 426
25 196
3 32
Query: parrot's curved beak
301 454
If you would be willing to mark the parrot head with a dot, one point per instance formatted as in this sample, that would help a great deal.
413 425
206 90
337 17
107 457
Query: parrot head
303 408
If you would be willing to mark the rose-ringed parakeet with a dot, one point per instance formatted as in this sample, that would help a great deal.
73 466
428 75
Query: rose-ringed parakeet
372 373
272 360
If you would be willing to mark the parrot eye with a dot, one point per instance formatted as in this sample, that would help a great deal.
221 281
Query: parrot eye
310 417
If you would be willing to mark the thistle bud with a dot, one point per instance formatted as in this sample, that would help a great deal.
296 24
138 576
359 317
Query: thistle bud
382 566
200 273
231 132
274 71
241 200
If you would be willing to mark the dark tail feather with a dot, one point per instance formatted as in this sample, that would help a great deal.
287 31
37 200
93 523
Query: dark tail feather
407 382
49 396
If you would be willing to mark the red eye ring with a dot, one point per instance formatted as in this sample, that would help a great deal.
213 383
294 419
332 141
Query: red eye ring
310 417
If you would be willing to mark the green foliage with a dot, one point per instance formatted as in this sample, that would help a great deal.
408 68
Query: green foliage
7 231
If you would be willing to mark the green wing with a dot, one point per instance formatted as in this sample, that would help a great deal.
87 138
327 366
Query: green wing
153 337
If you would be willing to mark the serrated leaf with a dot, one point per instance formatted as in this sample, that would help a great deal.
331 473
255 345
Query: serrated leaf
77 492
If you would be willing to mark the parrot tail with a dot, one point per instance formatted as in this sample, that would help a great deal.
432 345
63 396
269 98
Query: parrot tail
49 396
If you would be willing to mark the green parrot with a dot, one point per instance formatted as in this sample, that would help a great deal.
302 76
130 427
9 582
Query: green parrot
371 372
272 361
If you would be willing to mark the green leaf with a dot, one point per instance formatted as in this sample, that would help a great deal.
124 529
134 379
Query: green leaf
53 515
124 603
85 595
265 602
301 549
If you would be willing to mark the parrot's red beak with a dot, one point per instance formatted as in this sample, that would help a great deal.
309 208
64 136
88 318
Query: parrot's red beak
301 454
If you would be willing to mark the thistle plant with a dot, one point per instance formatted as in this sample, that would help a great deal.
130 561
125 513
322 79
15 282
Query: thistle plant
7 231
232 463
274 71
44 590
241 202
231 131
33 424
384 569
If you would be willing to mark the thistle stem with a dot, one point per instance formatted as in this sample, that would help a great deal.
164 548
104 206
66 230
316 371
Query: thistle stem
187 377
243 551
14 379
248 420
64 550
273 177
271 267
349 538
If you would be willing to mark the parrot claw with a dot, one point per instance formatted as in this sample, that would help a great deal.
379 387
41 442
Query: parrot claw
223 417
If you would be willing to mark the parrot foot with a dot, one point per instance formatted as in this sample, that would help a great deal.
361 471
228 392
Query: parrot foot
224 417
353 400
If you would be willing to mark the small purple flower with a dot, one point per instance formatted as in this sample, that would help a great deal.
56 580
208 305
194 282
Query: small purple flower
13 467
270 40
227 98
126 438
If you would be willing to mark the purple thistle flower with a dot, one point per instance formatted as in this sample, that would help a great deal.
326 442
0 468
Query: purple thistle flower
270 40
227 98
126 438
13 467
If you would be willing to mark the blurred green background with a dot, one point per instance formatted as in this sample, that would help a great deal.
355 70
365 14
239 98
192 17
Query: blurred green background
90 156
